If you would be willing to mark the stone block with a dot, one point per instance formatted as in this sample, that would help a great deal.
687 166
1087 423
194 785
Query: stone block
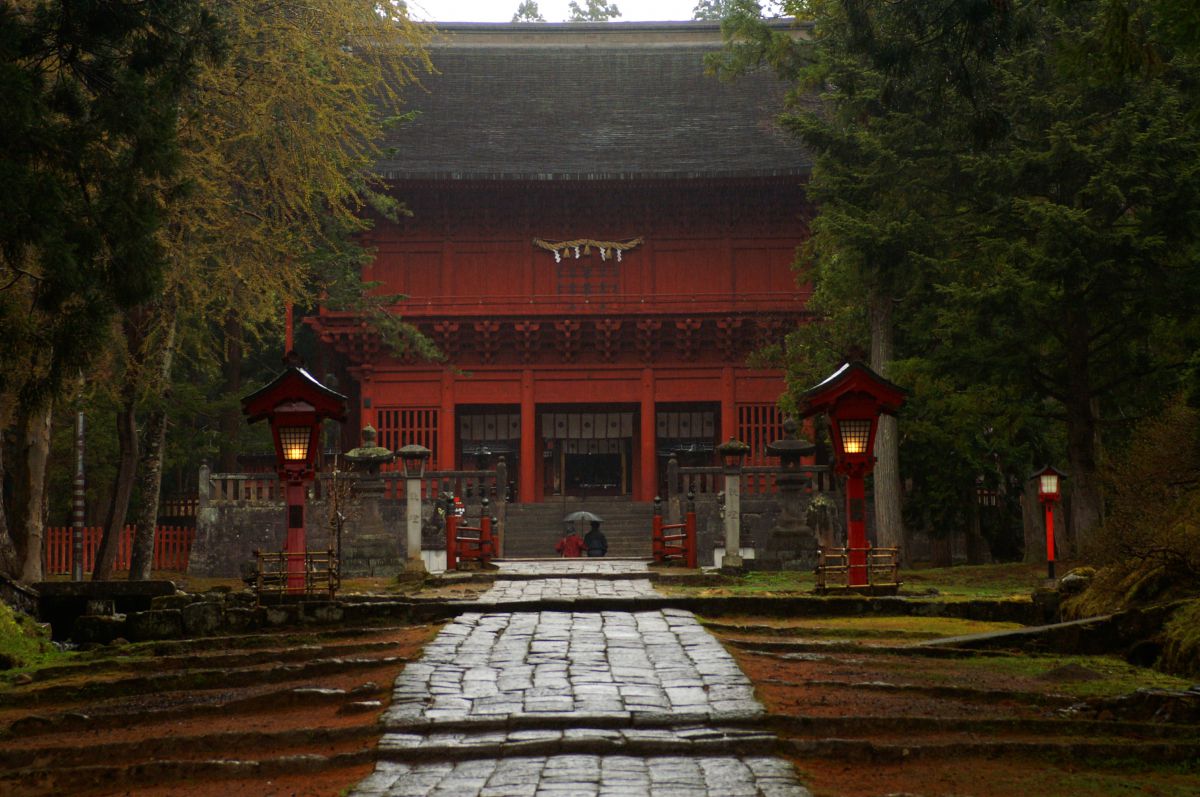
323 612
98 629
238 620
281 615
178 601
154 624
203 618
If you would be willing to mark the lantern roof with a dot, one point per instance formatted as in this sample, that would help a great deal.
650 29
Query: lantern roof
852 379
1046 471
294 385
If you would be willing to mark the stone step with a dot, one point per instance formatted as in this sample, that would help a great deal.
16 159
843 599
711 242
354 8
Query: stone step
533 529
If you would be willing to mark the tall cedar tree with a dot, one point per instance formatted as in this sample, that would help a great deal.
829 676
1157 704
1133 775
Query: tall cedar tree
278 141
91 157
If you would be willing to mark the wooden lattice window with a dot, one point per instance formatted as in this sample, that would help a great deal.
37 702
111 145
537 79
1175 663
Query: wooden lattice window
588 276
399 427
759 425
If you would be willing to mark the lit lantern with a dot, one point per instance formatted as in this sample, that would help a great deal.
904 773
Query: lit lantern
295 404
1048 482
854 397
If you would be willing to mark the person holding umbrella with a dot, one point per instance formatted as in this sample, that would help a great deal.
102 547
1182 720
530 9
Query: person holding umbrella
571 544
595 541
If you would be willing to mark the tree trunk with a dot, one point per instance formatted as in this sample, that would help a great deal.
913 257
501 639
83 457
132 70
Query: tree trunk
29 504
1033 524
941 551
889 526
1086 500
154 438
118 507
978 552
10 563
231 417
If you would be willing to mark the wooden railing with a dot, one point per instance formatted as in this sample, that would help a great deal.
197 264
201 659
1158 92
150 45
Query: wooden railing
264 488
468 543
756 479
172 546
274 574
674 543
880 567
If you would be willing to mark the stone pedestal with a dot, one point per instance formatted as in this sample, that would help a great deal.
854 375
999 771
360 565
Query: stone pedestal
792 543
369 546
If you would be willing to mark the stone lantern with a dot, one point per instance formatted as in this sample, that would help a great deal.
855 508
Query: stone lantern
791 544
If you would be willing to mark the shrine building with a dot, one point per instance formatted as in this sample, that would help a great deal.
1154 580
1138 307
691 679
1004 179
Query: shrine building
601 234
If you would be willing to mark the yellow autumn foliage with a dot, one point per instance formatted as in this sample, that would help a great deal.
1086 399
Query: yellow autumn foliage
278 142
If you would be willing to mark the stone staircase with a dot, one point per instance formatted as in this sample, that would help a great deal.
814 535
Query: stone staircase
533 529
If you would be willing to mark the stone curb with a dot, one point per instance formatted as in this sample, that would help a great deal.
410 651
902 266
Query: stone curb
627 742
76 721
197 679
867 751
136 776
46 757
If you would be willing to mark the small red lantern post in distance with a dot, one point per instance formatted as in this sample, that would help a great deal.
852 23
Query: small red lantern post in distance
1049 493
853 397
295 404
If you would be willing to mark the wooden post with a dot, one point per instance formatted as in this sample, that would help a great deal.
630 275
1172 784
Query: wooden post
451 538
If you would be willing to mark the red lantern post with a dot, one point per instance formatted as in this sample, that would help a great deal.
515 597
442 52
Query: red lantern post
853 398
295 404
1048 479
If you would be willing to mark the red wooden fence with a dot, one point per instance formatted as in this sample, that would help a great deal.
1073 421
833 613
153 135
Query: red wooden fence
171 548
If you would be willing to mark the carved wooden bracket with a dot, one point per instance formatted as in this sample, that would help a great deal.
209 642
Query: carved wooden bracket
608 341
567 341
446 334
488 340
768 331
687 341
647 339
527 339
727 337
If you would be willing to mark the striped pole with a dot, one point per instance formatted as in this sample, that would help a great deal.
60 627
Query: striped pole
77 512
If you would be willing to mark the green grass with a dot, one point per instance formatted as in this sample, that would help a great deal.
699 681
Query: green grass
964 582
1016 579
25 645
872 627
1116 677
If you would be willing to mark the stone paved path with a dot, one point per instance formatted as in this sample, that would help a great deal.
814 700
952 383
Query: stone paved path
532 703
582 566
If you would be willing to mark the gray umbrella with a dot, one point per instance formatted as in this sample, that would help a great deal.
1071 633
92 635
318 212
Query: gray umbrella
588 516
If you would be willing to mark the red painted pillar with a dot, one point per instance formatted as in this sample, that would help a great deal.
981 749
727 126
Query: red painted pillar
447 425
647 461
527 487
856 530
728 405
1049 507
296 542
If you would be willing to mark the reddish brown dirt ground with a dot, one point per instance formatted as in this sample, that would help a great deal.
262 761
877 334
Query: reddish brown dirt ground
786 687
204 735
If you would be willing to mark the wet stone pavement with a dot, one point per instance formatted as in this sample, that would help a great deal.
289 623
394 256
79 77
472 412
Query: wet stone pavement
575 703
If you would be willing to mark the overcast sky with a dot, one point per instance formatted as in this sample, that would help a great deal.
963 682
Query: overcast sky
552 10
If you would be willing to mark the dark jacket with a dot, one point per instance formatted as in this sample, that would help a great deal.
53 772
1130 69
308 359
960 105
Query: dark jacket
596 543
